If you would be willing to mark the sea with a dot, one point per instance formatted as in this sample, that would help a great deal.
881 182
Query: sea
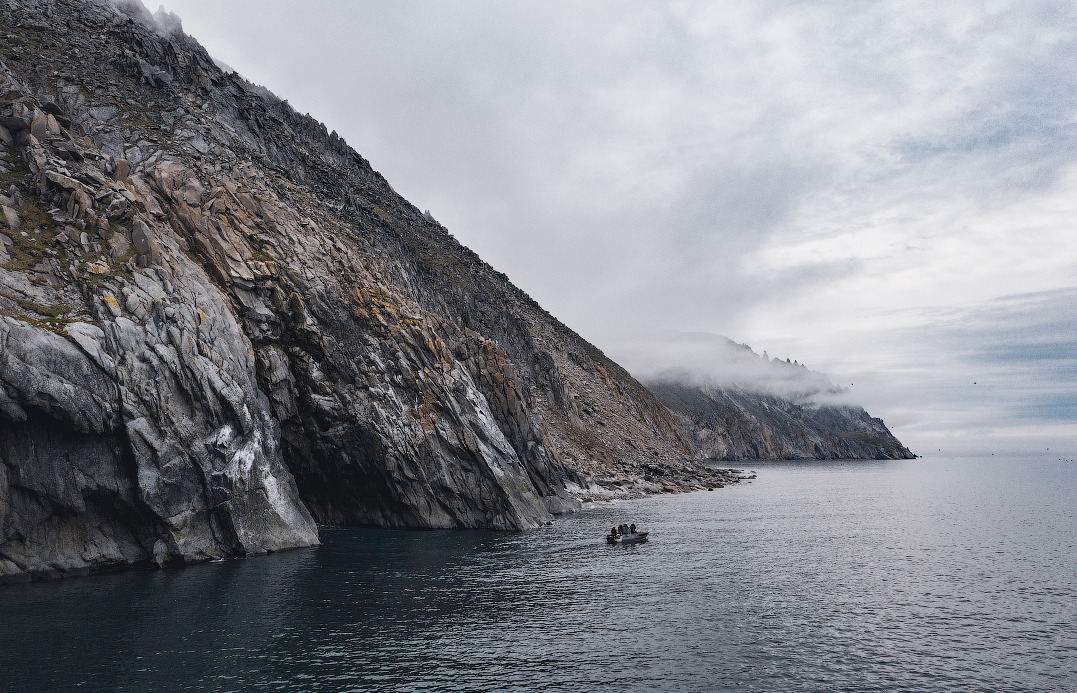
934 574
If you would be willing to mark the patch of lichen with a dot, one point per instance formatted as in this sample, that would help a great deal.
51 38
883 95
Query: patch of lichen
125 258
29 244
116 268
385 216
444 261
113 229
18 167
46 311
56 325
261 256
33 217
437 260
53 311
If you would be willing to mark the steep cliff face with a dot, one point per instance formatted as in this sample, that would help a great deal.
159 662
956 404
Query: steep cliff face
742 405
731 423
219 325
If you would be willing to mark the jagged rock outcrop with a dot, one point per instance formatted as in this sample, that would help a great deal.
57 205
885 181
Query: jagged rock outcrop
734 404
732 423
221 325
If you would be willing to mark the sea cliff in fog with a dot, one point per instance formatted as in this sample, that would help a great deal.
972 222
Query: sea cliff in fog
219 326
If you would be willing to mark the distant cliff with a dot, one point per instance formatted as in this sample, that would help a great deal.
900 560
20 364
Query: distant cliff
728 423
219 326
744 406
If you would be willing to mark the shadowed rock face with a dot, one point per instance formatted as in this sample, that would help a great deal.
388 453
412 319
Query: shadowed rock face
730 423
219 325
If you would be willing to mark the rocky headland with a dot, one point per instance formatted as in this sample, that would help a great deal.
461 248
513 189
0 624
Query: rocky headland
755 407
220 326
733 423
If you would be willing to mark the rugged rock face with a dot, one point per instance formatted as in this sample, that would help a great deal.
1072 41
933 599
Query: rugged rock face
731 423
219 325
753 407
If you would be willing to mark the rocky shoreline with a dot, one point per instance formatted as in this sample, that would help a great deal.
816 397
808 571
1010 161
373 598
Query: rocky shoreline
620 487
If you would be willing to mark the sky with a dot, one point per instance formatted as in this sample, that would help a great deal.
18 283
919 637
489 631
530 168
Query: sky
885 192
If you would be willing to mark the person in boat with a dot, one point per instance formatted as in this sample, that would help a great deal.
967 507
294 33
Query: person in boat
613 531
632 528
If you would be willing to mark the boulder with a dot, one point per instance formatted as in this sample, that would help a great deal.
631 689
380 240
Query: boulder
10 217
39 125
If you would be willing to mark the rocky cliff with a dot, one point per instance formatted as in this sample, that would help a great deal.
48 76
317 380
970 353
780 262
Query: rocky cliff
220 326
742 405
734 423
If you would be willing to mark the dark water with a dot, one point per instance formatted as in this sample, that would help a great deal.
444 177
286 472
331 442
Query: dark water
924 575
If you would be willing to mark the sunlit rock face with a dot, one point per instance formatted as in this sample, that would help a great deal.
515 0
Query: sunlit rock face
220 326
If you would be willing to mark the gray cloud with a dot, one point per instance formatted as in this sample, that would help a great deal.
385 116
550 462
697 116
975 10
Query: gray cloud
1004 368
162 21
700 358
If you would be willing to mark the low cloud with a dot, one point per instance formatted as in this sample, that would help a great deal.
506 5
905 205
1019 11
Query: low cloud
162 21
709 360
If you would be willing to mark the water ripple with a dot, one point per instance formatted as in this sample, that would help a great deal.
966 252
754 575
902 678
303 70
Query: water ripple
926 575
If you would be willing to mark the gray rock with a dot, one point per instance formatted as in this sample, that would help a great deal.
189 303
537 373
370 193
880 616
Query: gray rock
10 217
134 155
118 246
103 113
39 125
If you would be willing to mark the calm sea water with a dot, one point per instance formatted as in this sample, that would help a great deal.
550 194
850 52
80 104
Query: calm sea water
921 575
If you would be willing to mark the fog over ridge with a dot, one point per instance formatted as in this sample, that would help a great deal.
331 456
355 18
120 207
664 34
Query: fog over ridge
162 21
712 361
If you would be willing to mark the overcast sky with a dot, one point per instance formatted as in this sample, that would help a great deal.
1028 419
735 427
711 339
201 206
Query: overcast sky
884 191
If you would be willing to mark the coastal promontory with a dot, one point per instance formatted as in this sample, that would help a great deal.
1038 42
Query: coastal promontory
220 327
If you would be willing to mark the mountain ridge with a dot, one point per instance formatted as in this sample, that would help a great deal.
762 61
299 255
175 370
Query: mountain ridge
219 326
